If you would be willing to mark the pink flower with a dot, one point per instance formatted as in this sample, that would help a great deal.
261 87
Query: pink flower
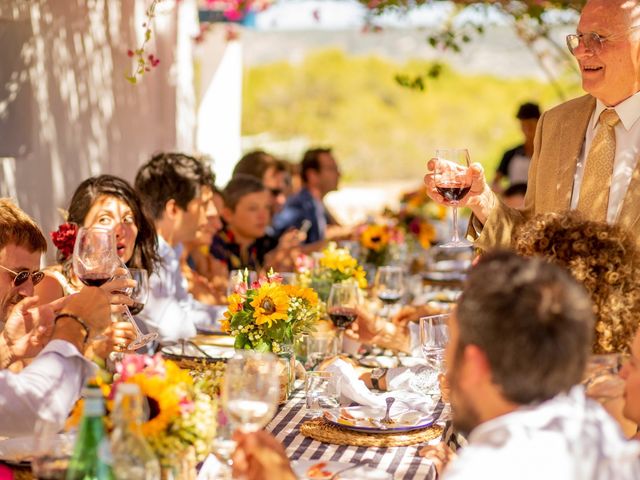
304 263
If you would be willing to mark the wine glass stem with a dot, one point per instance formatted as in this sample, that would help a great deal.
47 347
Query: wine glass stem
454 236
132 321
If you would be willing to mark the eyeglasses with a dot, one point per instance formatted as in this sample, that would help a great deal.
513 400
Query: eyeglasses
592 41
21 277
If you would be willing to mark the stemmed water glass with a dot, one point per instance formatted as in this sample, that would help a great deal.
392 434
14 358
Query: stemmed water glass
389 285
453 181
344 299
251 389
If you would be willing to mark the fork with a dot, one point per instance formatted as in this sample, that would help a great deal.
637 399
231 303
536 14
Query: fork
387 418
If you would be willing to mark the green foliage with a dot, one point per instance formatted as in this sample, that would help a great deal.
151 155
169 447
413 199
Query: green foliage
379 130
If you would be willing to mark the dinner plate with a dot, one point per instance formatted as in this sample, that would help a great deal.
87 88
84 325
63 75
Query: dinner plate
318 470
217 340
20 450
190 352
367 419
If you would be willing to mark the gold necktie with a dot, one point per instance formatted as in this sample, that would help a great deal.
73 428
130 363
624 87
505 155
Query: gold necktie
596 181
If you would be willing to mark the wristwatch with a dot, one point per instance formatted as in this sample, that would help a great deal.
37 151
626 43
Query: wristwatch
376 375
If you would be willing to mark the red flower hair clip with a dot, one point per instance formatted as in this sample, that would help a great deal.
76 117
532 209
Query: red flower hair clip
65 238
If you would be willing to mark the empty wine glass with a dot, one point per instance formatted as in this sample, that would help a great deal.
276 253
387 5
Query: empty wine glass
389 286
251 389
453 181
342 304
223 444
94 256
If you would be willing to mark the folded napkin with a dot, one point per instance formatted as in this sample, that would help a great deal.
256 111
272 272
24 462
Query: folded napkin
354 390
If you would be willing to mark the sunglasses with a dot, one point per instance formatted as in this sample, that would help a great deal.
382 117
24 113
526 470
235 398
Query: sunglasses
21 277
592 41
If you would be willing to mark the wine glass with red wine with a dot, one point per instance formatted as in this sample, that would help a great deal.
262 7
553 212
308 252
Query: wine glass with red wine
94 256
453 181
342 305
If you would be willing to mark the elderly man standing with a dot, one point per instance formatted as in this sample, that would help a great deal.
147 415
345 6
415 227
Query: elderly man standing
50 385
586 150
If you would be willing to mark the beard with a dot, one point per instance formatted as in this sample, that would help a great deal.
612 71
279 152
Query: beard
465 417
10 300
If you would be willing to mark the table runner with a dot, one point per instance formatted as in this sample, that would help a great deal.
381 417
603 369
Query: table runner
402 462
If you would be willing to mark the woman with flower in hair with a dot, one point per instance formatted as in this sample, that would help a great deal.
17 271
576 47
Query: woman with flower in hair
109 202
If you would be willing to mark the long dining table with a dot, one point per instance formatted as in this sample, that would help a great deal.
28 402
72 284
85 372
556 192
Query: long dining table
403 463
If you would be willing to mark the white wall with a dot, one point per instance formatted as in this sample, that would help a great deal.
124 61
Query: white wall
67 61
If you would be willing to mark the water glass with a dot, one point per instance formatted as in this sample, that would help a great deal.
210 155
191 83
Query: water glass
51 450
251 389
320 346
322 391
434 335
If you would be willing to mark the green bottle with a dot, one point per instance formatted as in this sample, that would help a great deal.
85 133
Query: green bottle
91 458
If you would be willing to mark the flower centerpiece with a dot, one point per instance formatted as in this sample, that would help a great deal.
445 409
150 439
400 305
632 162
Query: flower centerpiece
378 240
416 217
266 315
179 409
332 265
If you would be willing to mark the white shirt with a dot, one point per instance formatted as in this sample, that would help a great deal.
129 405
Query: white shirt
47 389
170 309
627 150
565 438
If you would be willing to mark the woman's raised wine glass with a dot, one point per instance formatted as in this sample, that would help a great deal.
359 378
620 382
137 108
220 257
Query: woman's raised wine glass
139 295
389 286
251 389
342 304
453 181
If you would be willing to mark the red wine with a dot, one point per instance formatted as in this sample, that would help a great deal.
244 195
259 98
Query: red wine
453 192
136 308
389 297
94 279
342 317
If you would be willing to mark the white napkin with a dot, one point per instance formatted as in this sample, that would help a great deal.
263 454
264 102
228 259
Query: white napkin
354 390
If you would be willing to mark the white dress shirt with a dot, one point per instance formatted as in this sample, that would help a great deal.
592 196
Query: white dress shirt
47 389
627 149
566 438
170 309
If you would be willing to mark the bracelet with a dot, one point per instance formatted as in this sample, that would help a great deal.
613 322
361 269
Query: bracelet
77 319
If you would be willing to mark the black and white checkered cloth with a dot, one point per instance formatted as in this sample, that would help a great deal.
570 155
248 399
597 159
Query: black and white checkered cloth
402 462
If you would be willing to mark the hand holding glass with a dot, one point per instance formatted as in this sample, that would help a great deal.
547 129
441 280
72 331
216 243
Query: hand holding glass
453 181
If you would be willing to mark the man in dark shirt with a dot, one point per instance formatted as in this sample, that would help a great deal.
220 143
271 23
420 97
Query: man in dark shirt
515 162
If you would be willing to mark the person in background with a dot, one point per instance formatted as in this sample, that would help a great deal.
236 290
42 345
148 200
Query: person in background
513 385
514 196
320 175
273 174
177 189
243 242
206 276
54 335
586 149
111 203
514 166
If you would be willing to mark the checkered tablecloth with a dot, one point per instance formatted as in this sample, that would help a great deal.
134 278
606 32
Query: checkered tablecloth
403 462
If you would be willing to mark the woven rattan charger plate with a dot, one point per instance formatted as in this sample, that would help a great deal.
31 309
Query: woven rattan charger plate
320 430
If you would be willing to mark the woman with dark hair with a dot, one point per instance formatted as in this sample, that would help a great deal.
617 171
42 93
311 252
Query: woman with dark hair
109 202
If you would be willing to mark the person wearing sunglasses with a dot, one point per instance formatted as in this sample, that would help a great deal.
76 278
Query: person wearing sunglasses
586 149
54 335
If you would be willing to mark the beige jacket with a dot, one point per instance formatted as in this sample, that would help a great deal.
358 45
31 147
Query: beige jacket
558 144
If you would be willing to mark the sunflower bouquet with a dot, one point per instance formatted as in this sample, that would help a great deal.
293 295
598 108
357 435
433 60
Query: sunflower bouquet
378 241
332 265
266 315
179 410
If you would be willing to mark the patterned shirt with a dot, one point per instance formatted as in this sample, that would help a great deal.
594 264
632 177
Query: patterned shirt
225 248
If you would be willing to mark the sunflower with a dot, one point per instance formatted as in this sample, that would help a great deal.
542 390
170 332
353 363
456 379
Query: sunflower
307 294
164 402
375 237
235 302
270 304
